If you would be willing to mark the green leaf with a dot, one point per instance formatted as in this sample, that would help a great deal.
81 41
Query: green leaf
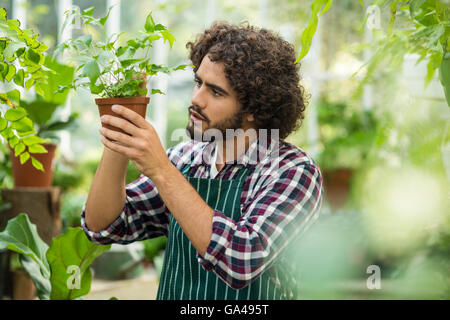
37 148
182 67
26 133
13 141
103 20
2 14
34 56
29 83
149 23
68 253
42 284
121 50
15 114
326 7
18 78
21 236
28 141
3 124
10 73
24 157
37 164
14 96
157 91
128 62
39 111
88 12
23 125
7 133
96 89
167 36
19 148
319 7
91 70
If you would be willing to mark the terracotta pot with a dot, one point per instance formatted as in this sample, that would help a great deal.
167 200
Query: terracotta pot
26 175
137 104
337 186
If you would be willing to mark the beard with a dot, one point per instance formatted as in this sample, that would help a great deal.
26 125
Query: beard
215 131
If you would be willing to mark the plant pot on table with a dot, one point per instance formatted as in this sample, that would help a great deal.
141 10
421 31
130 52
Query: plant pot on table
26 175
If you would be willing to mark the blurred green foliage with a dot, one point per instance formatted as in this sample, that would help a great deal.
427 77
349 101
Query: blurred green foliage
152 247
347 134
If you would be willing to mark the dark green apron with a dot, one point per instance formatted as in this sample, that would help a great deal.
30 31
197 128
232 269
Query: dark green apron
183 277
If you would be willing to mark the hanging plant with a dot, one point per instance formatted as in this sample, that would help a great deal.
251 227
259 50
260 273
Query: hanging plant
425 31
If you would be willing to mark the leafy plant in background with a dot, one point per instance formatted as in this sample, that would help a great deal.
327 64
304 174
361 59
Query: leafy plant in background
108 68
50 95
21 65
347 135
61 271
424 30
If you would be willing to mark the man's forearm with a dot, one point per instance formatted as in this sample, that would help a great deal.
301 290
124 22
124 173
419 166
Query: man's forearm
107 195
191 212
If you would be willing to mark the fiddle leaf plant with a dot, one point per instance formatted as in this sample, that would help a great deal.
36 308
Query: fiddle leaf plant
111 66
21 65
59 272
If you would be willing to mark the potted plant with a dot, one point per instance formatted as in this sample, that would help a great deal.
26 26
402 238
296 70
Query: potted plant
111 67
346 137
41 108
21 66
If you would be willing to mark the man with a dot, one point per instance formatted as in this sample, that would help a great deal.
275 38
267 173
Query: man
231 200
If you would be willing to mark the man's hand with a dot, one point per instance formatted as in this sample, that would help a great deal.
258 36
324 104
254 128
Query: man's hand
141 145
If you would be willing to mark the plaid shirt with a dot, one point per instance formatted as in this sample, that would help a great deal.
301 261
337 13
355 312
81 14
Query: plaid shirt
281 198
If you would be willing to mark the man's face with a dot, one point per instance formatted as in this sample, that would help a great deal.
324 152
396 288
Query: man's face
214 105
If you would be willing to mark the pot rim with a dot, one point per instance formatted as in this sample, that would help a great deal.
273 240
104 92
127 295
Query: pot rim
128 100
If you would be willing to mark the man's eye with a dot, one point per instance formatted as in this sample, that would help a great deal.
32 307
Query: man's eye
197 83
217 93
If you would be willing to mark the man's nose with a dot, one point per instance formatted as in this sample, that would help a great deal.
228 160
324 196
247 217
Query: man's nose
198 98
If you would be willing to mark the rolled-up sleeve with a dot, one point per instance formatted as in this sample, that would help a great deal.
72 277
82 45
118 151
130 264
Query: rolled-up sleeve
239 251
144 216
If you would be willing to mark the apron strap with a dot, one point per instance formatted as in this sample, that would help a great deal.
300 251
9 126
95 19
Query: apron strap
241 175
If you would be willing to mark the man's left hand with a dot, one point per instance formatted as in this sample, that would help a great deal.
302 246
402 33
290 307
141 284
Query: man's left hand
141 145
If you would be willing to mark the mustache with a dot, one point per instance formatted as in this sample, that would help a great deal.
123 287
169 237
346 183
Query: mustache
197 110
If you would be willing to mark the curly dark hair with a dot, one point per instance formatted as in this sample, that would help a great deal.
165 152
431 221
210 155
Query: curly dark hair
259 65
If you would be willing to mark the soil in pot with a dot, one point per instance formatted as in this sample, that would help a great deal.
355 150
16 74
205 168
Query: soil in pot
137 104
26 175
